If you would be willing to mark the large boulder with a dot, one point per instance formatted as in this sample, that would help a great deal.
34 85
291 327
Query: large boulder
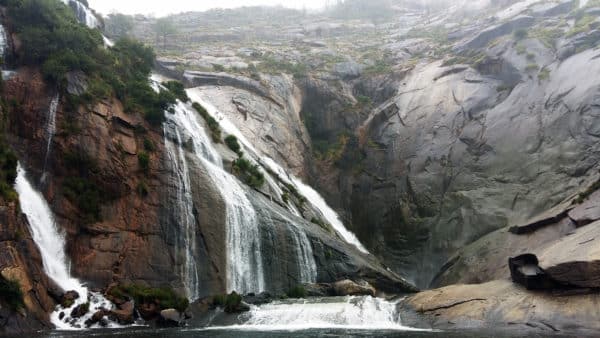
124 313
350 288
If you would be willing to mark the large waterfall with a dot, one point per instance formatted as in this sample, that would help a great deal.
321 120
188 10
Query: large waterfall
84 14
51 244
313 197
244 261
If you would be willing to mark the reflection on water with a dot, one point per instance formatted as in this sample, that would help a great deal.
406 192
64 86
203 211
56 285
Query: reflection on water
186 332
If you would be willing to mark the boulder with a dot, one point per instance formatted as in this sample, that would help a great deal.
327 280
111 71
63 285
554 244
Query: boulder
76 83
170 318
575 260
68 298
261 298
97 317
318 290
124 314
350 288
80 310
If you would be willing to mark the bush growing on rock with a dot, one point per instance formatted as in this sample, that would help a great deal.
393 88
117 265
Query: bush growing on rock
8 173
177 89
11 294
164 298
53 39
233 144
248 173
144 162
297 291
213 125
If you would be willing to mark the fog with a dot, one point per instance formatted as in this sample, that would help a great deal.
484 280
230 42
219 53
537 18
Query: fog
161 8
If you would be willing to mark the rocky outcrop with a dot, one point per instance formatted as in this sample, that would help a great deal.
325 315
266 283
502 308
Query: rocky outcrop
482 39
502 305
21 262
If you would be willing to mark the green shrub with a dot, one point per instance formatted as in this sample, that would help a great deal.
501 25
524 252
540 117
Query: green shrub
165 298
177 89
149 145
144 162
520 34
230 303
11 294
248 173
8 173
324 225
86 195
213 125
142 189
218 68
54 40
297 291
233 144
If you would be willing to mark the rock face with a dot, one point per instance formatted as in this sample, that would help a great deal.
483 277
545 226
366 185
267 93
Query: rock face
501 305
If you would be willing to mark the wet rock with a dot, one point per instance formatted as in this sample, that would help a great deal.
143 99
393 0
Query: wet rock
170 318
69 298
261 298
524 270
80 310
76 83
350 288
124 314
148 310
319 290
97 317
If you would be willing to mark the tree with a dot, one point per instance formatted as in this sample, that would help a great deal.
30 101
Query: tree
118 25
164 27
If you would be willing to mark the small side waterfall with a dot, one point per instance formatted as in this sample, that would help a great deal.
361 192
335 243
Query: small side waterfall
50 131
244 257
3 41
51 244
84 14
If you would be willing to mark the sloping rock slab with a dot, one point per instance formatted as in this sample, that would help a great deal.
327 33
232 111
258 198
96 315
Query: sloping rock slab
483 38
549 217
575 259
588 211
501 304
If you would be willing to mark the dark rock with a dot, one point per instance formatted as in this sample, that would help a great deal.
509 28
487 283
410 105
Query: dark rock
97 317
124 314
261 298
350 288
319 290
170 318
68 298
148 310
80 310
524 270
61 315
487 35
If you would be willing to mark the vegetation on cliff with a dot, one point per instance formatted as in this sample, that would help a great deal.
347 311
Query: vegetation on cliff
11 294
164 298
53 40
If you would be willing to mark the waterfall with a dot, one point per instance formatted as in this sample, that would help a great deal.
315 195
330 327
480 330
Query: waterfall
51 243
3 41
313 197
50 131
359 313
83 14
184 214
306 260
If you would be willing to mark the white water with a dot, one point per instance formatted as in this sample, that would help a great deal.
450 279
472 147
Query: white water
244 257
185 215
51 243
84 14
3 41
313 197
50 130
358 313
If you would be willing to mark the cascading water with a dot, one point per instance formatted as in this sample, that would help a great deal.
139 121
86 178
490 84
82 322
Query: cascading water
244 258
50 130
51 244
313 197
184 213
84 14
3 40
358 313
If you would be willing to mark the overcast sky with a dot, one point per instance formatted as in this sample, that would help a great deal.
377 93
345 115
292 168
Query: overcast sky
164 7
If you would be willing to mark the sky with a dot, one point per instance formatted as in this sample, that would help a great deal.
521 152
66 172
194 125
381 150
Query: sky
165 7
